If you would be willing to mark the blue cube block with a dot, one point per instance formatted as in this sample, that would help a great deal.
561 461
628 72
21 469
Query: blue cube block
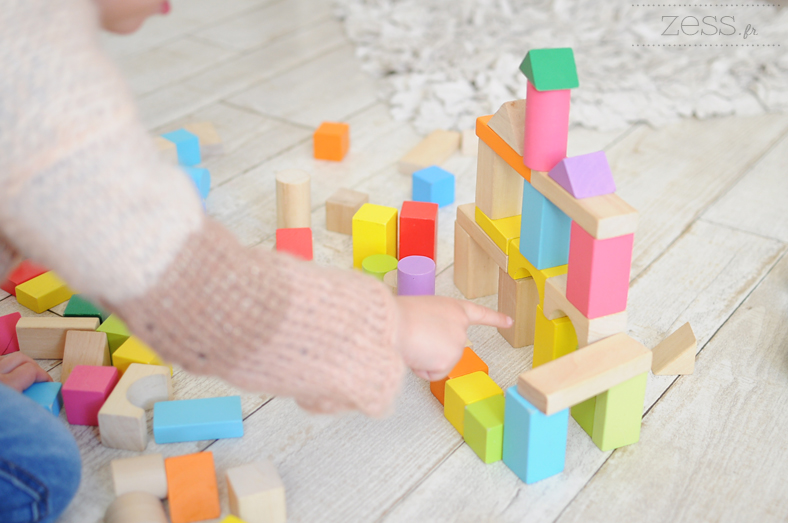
195 420
187 145
534 445
201 178
433 185
544 231
46 394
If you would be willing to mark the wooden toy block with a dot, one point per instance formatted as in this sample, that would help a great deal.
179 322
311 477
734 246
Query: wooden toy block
587 330
433 184
553 338
80 307
197 419
597 282
85 391
210 141
136 507
418 230
201 178
25 271
122 421
43 292
468 364
520 267
416 276
585 175
168 151
501 148
390 279
502 231
475 272
340 209
583 374
45 338
134 350
544 231
47 394
603 217
256 492
8 340
140 474
293 199
509 124
297 242
550 69
232 519
470 143
676 353
116 331
374 232
379 265
499 188
518 300
534 445
84 348
193 490
188 146
467 220
618 414
546 128
466 390
483 430
331 141
433 150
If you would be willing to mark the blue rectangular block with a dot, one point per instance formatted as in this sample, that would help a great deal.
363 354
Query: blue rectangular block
46 394
433 185
195 420
201 178
544 231
187 145
534 445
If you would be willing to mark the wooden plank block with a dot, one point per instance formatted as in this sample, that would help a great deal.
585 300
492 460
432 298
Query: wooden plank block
297 242
47 394
518 299
43 292
676 353
469 363
475 272
433 150
418 230
501 232
210 142
340 208
467 220
509 123
499 188
25 271
256 492
500 147
483 430
520 267
293 199
331 141
602 217
45 338
544 231
136 507
140 474
197 419
134 350
193 490
583 374
374 232
85 391
84 348
464 391
553 338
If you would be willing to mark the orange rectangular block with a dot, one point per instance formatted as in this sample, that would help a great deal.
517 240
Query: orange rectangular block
501 148
468 364
193 492
331 141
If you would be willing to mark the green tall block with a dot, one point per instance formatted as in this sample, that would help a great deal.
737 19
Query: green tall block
583 413
618 414
80 307
483 430
117 332
550 69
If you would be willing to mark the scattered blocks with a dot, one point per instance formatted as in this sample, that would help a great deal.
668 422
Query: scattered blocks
418 230
468 364
188 146
25 271
378 265
45 338
546 128
584 176
8 340
84 348
197 419
520 267
43 292
134 350
433 184
297 242
676 354
47 394
116 331
85 391
475 272
499 188
416 276
464 391
483 430
201 178
136 507
553 338
140 474
501 148
331 141
193 490
340 208
551 69
80 307
509 124
518 299
257 493
433 150
210 141
374 232
500 231
293 199
544 231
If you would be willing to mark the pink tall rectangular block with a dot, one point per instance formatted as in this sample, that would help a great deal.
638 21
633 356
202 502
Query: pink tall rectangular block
8 340
85 391
546 128
597 280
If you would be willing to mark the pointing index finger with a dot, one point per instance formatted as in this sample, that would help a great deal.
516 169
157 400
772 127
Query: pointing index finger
479 315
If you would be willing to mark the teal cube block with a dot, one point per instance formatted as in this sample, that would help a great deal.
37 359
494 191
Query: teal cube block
544 231
187 145
550 69
80 307
46 394
199 419
483 430
433 185
201 178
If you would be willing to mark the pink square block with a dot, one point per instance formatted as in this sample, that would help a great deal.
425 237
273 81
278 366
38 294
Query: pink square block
8 340
85 391
546 128
597 281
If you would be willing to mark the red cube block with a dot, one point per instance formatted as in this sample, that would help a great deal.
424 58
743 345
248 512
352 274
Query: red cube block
297 242
25 271
86 390
418 230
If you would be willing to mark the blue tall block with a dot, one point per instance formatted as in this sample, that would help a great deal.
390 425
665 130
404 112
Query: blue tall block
46 394
195 420
433 185
187 145
544 231
201 178
534 445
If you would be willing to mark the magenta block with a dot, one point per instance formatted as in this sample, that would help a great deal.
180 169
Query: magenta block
585 175
597 281
8 340
416 276
546 128
85 391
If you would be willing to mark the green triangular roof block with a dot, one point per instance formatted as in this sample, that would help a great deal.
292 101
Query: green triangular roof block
117 332
80 307
550 69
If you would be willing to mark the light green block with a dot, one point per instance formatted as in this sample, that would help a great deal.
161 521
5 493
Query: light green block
484 428
583 413
550 69
618 414
117 332
378 265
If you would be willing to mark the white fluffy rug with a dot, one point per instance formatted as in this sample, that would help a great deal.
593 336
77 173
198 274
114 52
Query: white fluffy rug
445 62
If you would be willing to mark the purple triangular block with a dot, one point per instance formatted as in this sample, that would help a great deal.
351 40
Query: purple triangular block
585 175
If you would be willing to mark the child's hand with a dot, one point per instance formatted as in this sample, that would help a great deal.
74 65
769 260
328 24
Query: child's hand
432 331
19 371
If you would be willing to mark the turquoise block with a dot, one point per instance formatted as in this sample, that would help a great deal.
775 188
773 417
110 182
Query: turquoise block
544 231
534 445
201 178
46 394
433 185
187 145
195 420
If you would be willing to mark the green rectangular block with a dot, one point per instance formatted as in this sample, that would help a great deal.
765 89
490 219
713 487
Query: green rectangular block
117 332
80 307
483 430
583 413
618 414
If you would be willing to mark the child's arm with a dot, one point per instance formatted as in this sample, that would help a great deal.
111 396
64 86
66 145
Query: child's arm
19 371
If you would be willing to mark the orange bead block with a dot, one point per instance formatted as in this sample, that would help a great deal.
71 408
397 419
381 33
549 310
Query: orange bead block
193 492
332 141
500 147
468 364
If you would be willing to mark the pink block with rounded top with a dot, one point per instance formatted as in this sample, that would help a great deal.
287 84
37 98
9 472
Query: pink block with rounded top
546 128
85 391
416 276
8 340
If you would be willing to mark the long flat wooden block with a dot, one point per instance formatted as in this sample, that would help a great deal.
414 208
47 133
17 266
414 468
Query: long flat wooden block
553 338
499 188
433 150
583 374
43 292
467 219
676 353
136 507
520 267
84 348
502 231
475 272
518 299
25 271
546 128
602 217
293 199
509 123
374 232
464 391
500 147
256 492
468 364
45 338
340 208
197 419
544 231
140 474
193 489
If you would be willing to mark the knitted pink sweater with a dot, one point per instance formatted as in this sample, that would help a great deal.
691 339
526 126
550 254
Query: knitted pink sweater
83 191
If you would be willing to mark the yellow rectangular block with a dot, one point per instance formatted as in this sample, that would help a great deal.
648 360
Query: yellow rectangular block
374 232
502 231
43 292
553 339
134 350
466 390
519 267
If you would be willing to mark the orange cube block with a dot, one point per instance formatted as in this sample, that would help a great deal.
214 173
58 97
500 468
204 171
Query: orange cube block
332 141
468 364
193 492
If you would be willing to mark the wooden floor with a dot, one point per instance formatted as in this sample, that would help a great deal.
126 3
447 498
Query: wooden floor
709 250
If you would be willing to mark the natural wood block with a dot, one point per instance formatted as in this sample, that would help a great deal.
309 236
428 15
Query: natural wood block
134 350
546 127
256 492
585 175
469 363
86 390
297 242
8 340
45 338
122 421
676 353
168 151
293 199
136 507
518 299
520 267
84 348
433 150
500 147
499 188
467 220
509 124
550 69
331 141
502 231
470 143
140 474
374 232
553 338
25 271
464 391
210 141
583 374
193 490
43 292
340 208
475 272
602 217
116 330
418 230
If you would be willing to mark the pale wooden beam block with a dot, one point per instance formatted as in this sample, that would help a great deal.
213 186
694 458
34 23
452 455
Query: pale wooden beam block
136 507
518 300
84 348
45 338
509 124
433 150
140 474
675 354
584 373
466 217
475 273
499 188
293 199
